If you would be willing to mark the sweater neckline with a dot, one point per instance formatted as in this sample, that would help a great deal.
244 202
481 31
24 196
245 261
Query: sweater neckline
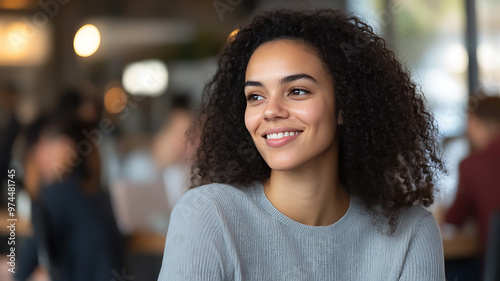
339 226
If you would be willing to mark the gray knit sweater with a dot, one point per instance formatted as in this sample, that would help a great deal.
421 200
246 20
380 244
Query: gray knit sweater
220 232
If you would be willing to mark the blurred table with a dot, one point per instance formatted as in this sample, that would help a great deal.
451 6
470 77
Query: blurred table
461 246
146 242
145 254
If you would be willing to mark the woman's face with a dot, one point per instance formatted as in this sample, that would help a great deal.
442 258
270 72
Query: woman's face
52 155
290 111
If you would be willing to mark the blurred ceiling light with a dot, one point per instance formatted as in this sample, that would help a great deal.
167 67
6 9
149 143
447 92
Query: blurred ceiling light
117 40
16 4
148 78
232 35
456 58
487 57
115 100
22 44
87 40
17 42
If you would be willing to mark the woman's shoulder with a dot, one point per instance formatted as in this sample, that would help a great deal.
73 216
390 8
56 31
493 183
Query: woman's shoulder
409 220
216 195
417 219
416 215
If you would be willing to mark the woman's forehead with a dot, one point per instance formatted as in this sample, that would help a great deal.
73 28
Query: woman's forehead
283 57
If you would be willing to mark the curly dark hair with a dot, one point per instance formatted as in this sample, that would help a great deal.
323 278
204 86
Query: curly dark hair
388 152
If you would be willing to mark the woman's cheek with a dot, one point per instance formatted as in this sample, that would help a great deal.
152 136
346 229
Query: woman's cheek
309 113
251 120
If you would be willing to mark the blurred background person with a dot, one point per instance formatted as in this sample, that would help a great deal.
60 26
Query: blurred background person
72 104
478 194
171 150
75 231
28 253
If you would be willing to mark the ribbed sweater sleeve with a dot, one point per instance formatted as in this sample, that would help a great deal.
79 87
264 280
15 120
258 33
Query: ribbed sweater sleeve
194 248
424 259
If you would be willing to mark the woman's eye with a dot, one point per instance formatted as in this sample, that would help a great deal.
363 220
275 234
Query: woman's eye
254 97
298 92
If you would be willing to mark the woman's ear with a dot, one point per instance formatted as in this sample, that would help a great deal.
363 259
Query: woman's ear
340 120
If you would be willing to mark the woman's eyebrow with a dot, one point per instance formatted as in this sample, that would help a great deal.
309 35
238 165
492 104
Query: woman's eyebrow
284 80
253 83
294 77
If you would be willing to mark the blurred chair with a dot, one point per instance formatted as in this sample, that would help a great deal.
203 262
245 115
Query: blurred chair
149 214
492 266
142 213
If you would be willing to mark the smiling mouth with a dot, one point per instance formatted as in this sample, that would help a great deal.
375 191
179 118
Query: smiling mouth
281 135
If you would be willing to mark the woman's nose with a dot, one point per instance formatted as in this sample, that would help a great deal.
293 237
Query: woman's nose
275 108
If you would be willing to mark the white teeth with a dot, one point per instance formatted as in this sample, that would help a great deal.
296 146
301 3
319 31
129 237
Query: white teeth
281 135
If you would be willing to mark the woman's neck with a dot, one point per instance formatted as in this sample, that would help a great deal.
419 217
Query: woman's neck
312 193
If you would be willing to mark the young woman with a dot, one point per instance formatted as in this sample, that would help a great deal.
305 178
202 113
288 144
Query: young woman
316 156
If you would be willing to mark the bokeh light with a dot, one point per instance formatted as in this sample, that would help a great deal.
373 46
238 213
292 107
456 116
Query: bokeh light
115 100
17 43
148 78
87 40
20 45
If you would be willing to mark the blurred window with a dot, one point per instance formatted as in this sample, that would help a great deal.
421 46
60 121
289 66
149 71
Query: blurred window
428 37
488 24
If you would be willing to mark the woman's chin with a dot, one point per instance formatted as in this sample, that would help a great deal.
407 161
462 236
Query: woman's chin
280 166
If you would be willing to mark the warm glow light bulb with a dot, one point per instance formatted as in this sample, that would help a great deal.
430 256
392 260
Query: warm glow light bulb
87 40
